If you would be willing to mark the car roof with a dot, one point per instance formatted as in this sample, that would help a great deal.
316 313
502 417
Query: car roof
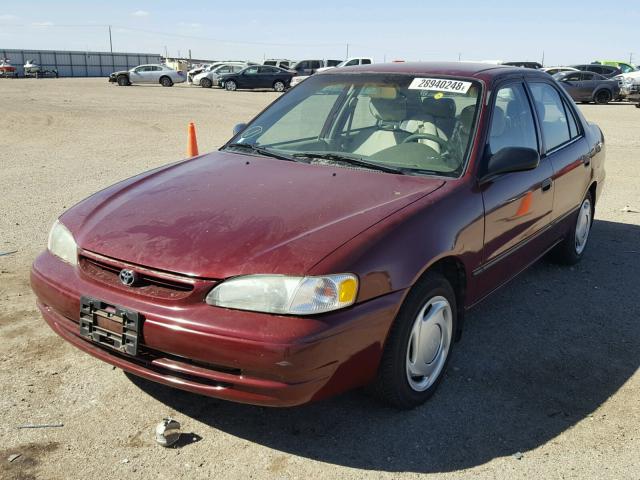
485 71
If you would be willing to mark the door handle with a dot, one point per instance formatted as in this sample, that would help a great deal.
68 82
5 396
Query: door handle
546 184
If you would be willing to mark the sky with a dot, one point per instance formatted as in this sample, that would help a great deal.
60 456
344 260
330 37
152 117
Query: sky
565 32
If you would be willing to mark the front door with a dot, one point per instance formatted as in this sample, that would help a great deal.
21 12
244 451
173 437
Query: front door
517 205
248 78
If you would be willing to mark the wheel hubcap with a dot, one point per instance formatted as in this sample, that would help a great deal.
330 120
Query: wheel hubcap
429 343
583 226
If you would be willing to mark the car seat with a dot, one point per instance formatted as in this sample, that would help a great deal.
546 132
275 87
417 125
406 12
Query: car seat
389 113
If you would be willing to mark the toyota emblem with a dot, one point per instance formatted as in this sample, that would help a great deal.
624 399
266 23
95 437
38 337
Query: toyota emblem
128 277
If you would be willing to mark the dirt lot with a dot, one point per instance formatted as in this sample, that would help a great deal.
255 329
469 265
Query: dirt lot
544 384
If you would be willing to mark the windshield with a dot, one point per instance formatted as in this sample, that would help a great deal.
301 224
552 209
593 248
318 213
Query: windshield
401 122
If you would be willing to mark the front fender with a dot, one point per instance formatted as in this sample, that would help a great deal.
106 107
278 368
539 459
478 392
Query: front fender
394 253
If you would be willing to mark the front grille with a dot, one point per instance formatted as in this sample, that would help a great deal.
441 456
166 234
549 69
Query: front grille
150 283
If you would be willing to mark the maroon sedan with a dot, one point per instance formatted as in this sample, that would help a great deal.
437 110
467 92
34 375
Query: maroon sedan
336 241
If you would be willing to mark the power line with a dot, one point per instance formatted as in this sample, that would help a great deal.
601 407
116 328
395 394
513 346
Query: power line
178 35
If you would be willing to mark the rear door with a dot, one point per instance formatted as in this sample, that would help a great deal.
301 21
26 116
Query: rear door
266 76
155 72
518 205
588 84
564 144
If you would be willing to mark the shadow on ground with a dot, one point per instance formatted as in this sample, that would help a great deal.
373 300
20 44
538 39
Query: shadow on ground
535 359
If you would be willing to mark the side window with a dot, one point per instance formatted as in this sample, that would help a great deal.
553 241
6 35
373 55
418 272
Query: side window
351 63
574 77
366 61
551 112
512 120
251 71
303 65
315 64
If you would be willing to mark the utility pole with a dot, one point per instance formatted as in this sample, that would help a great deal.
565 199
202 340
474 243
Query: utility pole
631 58
459 56
110 43
542 58
166 52
347 51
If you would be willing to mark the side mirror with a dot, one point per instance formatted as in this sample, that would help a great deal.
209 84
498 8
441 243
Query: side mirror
511 159
238 128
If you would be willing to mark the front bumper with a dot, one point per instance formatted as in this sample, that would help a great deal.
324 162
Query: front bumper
245 357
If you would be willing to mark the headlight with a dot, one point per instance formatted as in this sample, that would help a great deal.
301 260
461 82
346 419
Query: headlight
62 244
286 295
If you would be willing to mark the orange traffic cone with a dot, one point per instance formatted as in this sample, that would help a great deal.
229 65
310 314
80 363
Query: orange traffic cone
192 142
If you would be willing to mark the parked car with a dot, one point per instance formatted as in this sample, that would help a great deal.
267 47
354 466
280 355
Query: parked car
627 82
335 241
161 74
624 67
279 62
209 77
554 70
309 67
7 70
534 65
197 69
350 62
588 87
256 76
604 70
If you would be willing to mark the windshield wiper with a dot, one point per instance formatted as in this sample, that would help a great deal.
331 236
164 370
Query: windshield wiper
261 151
361 162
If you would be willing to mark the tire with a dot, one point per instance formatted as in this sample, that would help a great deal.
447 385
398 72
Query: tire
206 83
572 248
123 81
230 86
166 82
279 86
602 97
430 309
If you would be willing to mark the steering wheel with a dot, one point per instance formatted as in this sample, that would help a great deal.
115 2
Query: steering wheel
428 136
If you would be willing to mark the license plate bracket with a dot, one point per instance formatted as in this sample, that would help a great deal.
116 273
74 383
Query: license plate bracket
114 327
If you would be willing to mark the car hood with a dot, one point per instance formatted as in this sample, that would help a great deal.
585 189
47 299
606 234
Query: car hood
226 214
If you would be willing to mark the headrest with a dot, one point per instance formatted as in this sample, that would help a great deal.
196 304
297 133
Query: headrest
380 91
498 123
388 110
466 118
444 107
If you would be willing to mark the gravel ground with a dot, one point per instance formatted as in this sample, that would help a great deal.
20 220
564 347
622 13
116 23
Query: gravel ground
544 384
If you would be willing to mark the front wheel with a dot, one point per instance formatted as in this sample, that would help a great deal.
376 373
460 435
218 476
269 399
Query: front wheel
123 81
419 344
230 86
206 83
572 248
279 86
